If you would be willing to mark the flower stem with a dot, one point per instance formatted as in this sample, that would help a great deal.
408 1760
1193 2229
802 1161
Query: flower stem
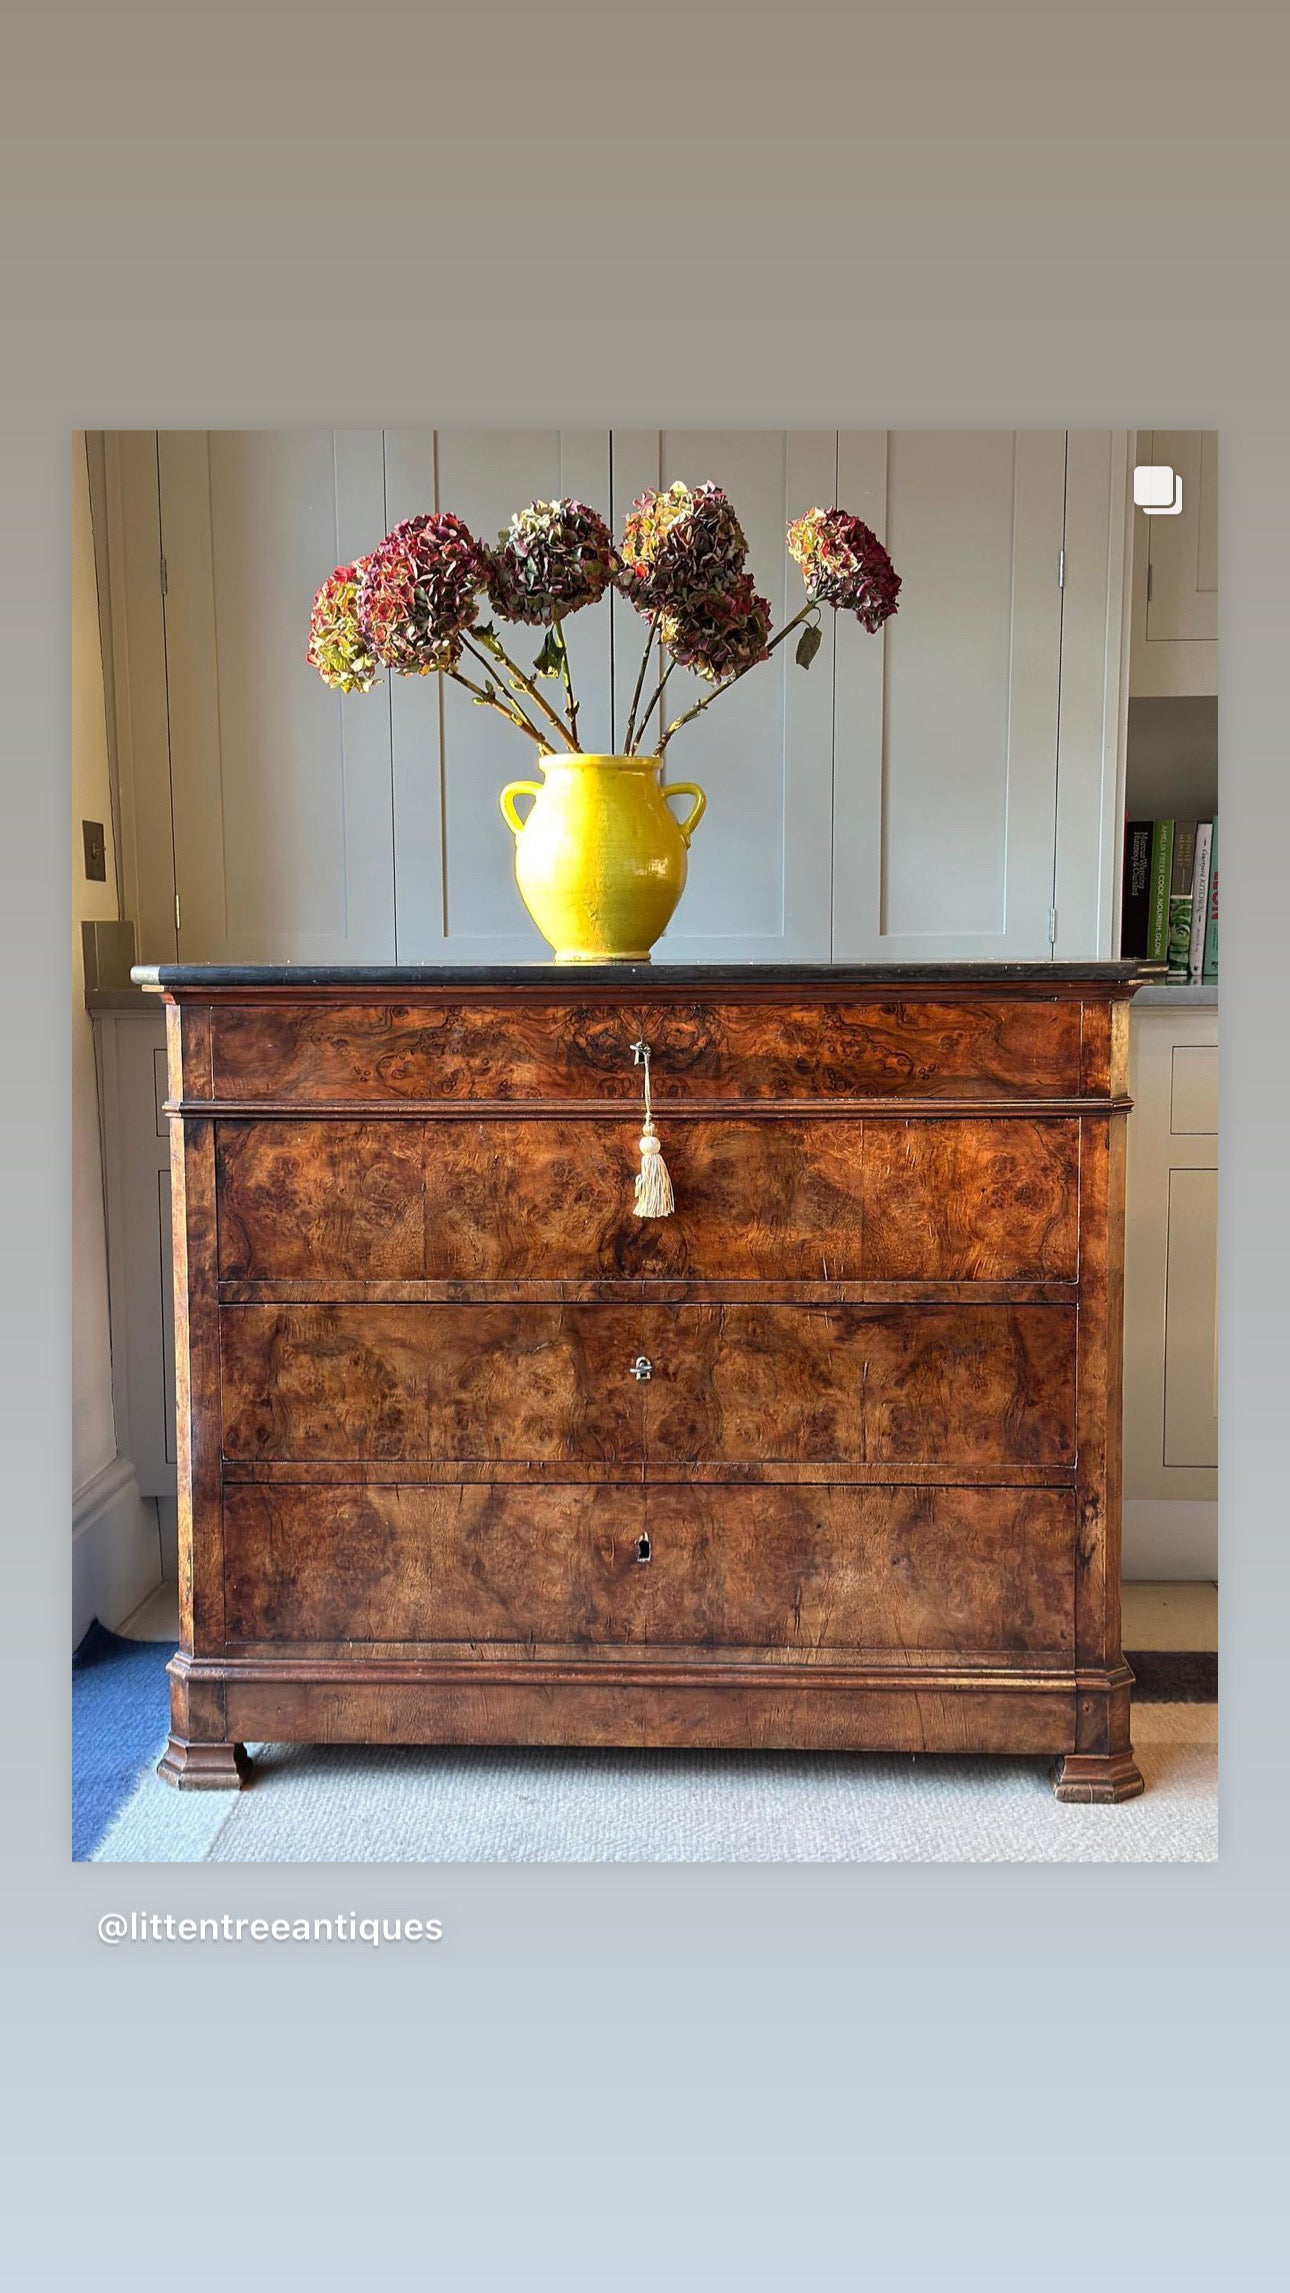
568 682
523 684
810 607
655 697
629 735
511 710
700 706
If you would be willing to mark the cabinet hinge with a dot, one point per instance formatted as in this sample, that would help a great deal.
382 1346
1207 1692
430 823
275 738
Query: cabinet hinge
1061 569
1052 927
1148 581
165 580
178 925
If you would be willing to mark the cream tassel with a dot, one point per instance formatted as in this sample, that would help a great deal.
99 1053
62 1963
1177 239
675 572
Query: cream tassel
654 1196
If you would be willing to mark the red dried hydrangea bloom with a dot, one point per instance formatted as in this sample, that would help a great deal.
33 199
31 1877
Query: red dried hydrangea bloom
339 646
680 546
845 565
418 593
553 558
721 634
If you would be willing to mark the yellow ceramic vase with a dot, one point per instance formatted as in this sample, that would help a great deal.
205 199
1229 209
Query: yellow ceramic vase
599 859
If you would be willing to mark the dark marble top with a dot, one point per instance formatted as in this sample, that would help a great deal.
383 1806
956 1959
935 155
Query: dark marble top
569 977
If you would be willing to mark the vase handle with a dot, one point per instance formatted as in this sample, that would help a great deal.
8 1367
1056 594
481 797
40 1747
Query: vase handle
514 822
692 819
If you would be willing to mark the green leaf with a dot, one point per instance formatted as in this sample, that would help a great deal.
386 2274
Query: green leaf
546 664
808 645
550 661
487 636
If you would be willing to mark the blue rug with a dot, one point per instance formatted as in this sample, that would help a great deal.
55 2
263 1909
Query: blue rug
120 1721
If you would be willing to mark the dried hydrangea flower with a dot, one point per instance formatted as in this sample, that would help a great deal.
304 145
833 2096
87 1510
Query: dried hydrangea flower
845 565
649 519
721 634
339 647
418 593
680 546
553 558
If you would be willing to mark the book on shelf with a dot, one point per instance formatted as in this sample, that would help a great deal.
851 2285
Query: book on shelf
1182 868
1135 906
1162 853
1199 899
1169 898
1209 965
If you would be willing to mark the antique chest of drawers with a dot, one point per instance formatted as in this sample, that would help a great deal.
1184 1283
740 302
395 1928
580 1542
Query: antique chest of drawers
471 1453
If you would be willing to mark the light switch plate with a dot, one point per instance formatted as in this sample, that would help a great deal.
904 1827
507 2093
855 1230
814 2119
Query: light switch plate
95 851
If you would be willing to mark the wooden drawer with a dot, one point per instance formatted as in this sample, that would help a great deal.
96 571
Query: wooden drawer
961 1385
946 1385
514 1201
507 1200
879 1048
343 1200
971 1200
920 1570
327 1053
436 1382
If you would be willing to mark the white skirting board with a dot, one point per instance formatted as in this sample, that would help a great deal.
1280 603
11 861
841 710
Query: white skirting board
116 1549
1170 1540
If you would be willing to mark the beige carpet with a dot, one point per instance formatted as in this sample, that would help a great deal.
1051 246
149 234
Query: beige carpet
337 1804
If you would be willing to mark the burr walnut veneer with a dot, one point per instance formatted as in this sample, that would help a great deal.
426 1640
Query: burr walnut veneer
471 1454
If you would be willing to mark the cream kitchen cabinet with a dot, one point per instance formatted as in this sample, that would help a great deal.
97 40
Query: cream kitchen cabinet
949 789
1175 573
978 746
1170 1292
257 816
130 1056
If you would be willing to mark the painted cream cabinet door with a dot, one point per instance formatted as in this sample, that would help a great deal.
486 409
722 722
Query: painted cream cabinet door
946 737
1170 1293
1175 598
130 1051
281 790
455 892
758 885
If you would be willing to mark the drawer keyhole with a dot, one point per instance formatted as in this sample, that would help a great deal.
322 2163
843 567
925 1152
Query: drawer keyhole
641 1368
643 1548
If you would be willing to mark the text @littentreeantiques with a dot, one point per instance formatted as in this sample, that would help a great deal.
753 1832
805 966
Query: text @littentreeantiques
341 1927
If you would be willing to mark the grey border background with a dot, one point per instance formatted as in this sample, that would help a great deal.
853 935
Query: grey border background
1021 214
